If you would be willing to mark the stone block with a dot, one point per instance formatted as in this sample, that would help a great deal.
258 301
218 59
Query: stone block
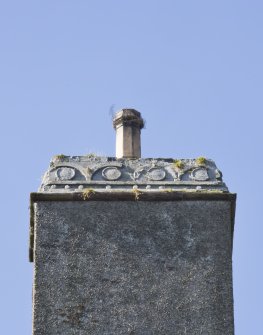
112 265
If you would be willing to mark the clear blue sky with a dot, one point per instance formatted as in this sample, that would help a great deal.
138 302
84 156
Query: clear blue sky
194 69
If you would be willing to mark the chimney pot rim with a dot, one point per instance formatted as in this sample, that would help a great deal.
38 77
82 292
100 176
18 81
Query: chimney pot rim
128 117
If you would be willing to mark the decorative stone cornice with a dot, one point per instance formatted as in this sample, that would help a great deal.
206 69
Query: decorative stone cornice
75 173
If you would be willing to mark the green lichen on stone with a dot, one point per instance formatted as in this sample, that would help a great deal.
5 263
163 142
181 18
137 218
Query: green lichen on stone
87 193
201 160
60 157
179 164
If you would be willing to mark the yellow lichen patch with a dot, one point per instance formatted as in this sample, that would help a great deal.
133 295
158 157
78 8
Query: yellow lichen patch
201 160
60 157
178 164
87 193
137 193
168 190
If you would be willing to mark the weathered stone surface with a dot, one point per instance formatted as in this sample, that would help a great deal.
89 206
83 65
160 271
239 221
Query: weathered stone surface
69 174
133 267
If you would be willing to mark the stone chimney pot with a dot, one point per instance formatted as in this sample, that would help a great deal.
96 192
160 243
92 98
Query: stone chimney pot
128 124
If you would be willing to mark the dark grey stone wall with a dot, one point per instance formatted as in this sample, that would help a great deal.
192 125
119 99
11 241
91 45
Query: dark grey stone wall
133 267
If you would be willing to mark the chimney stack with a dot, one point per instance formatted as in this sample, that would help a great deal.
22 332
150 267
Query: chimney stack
132 246
128 124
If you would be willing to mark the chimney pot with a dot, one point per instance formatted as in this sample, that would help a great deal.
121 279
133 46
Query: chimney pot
128 124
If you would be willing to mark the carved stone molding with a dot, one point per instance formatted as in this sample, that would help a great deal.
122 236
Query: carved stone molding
156 174
65 173
98 172
199 174
111 173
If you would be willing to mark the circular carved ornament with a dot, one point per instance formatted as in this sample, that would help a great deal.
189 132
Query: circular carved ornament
111 173
156 174
199 174
65 173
